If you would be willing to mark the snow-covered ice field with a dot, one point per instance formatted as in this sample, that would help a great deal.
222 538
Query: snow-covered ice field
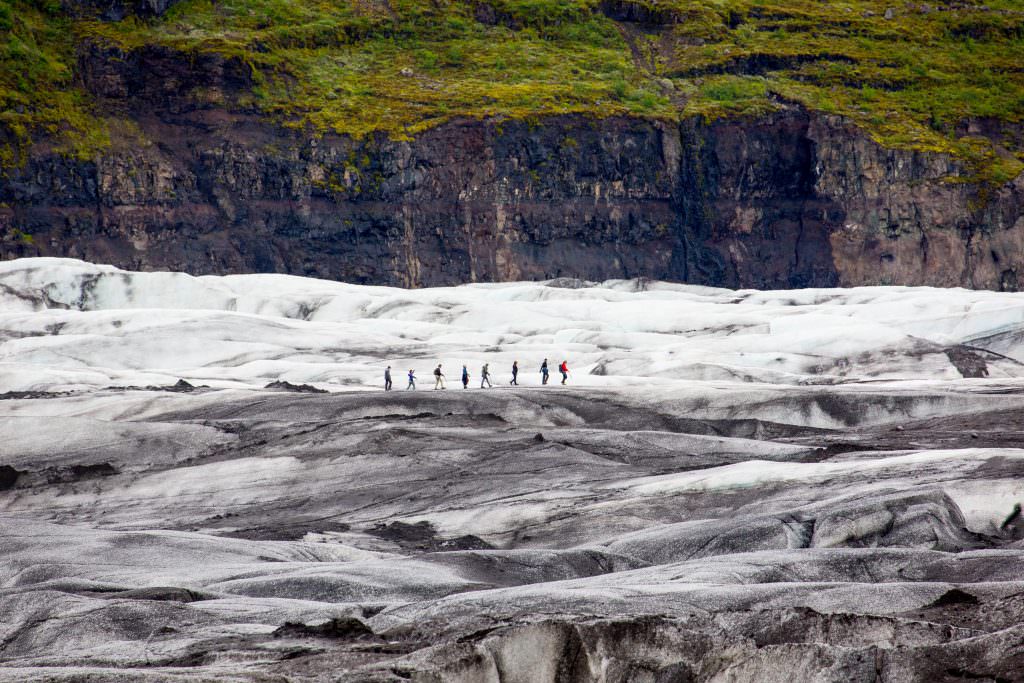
70 325
735 485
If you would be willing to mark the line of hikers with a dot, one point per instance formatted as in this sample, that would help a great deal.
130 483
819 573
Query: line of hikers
485 376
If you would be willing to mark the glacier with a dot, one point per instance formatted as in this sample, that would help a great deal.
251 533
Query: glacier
201 478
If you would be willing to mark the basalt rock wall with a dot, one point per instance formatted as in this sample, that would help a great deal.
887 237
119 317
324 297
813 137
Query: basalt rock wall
795 198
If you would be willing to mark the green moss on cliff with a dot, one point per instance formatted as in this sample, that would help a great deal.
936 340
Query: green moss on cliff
911 74
404 66
37 90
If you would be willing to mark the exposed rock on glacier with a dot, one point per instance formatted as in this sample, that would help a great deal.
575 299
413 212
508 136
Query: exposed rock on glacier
736 485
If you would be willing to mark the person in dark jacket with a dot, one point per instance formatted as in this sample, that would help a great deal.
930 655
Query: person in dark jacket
564 369
438 378
465 377
544 372
387 379
485 375
515 372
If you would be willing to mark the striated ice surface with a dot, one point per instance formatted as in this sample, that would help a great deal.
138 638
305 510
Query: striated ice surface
819 485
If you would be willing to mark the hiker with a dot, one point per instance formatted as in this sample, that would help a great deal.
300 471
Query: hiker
564 369
515 372
485 376
439 378
544 372
465 377
412 380
387 379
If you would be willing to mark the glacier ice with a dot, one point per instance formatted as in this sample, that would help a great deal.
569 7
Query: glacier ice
735 486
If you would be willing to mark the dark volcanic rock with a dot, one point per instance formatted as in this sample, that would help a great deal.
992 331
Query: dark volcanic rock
968 361
116 10
79 472
791 199
162 594
8 477
423 536
282 385
344 627
642 12
179 387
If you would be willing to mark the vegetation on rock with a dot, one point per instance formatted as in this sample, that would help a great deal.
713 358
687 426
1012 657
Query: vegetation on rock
38 96
914 74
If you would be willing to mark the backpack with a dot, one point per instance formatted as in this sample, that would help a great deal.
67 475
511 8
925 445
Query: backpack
437 372
563 367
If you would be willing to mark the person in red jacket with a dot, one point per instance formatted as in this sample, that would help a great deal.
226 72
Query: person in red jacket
564 369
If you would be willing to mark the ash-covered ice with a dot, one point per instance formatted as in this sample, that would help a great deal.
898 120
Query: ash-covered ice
813 485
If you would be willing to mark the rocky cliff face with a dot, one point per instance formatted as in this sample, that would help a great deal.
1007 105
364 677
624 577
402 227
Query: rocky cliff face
115 10
788 200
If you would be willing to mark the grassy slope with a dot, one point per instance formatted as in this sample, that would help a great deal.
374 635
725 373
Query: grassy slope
908 76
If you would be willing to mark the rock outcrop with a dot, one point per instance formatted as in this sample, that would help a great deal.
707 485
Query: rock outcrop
115 10
790 199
